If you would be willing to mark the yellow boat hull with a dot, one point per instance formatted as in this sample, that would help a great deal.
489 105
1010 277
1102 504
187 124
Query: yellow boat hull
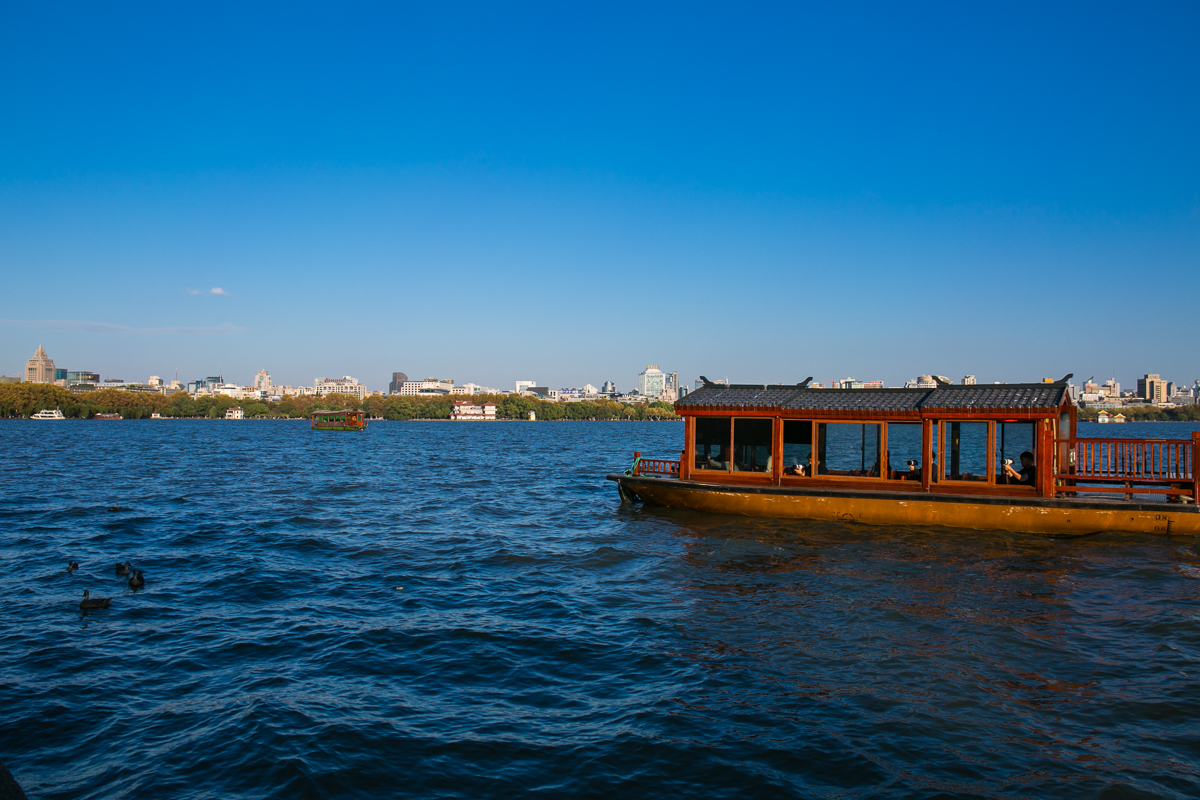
1060 517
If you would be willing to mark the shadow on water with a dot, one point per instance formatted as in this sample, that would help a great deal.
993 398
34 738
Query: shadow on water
329 617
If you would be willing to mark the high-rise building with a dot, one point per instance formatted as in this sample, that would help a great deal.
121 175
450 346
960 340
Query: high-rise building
921 382
429 386
344 385
524 386
608 387
398 381
671 387
262 381
651 382
40 368
968 380
1152 388
209 384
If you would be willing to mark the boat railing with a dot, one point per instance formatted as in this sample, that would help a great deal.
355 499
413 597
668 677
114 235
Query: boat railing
1130 466
654 466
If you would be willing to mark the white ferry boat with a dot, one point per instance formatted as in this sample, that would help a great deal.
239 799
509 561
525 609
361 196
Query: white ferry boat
46 413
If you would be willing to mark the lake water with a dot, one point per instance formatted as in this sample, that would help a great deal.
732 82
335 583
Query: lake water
465 610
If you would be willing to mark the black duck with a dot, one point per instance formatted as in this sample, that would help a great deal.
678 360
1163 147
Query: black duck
89 603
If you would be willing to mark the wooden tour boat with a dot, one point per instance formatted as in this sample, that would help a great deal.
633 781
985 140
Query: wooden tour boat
951 456
339 421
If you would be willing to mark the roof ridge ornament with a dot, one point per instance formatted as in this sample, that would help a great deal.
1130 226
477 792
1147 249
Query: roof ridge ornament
707 382
941 380
1067 377
804 383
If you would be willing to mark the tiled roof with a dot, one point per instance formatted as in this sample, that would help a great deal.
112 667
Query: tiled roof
859 399
1003 395
981 396
741 395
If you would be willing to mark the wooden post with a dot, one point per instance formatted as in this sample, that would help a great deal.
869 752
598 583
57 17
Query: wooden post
777 451
1045 467
1196 466
992 460
636 456
926 453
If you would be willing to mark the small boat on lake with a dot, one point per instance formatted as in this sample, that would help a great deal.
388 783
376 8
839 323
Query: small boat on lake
339 421
46 413
942 456
107 416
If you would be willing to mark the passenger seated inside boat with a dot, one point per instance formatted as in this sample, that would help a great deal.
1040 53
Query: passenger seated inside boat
721 462
1028 474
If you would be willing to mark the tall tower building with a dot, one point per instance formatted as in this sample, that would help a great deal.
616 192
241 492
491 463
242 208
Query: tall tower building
262 381
652 381
398 381
1152 387
39 369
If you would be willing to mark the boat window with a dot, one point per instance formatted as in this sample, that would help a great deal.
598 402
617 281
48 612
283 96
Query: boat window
848 448
712 443
797 447
1012 439
965 456
905 457
752 445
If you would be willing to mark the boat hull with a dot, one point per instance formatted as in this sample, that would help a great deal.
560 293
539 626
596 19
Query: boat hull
1060 517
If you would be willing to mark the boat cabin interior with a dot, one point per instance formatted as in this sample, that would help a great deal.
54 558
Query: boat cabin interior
991 439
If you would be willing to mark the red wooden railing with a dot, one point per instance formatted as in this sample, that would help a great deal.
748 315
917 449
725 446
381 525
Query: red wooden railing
1140 466
655 466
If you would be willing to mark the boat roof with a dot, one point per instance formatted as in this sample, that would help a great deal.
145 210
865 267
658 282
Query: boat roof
339 411
946 397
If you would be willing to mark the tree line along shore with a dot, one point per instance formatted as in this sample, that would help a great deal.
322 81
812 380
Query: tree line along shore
26 399
1146 413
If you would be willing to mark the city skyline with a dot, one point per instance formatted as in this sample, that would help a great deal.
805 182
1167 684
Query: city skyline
559 193
635 385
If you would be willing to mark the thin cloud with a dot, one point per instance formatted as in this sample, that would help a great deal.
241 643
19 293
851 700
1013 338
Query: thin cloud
217 290
194 292
119 330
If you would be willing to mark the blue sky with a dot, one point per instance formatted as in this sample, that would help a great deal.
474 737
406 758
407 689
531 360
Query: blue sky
566 193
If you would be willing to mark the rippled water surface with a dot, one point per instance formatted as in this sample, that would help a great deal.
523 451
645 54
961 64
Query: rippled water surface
438 609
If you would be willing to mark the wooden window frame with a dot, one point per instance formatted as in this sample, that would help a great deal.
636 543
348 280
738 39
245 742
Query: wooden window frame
989 456
691 445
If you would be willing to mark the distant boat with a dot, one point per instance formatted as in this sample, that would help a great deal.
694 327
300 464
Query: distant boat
157 415
107 416
46 413
339 421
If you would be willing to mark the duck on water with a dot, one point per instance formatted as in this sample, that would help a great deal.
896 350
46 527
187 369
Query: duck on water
89 603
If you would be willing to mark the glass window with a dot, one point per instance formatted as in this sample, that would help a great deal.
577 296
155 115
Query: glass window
1012 439
752 445
904 450
712 443
848 448
965 455
797 447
